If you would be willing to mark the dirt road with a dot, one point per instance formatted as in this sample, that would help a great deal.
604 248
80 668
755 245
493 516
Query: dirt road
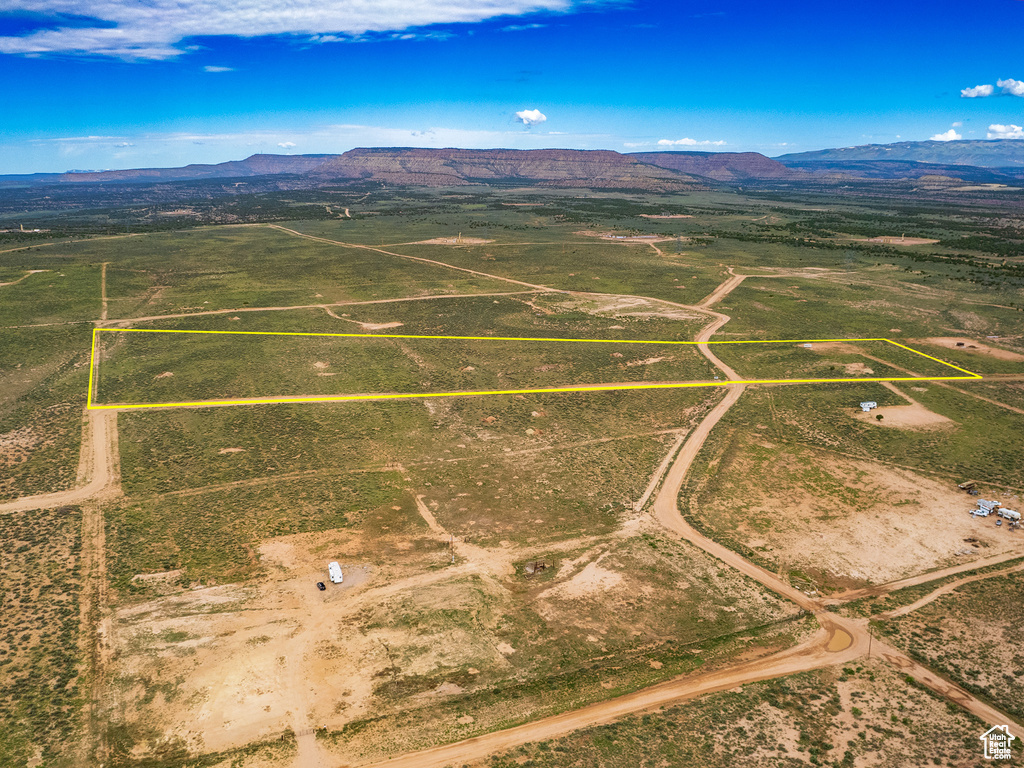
99 475
180 315
922 578
945 589
410 258
103 291
809 655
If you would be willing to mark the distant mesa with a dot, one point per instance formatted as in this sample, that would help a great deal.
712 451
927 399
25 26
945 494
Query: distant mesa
934 162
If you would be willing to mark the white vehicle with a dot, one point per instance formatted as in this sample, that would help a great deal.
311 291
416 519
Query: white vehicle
980 512
1009 514
334 570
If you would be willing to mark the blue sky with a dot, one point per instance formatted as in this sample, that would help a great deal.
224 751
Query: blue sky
118 83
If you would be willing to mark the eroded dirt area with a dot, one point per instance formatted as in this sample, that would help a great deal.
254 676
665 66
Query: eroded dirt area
846 522
973 347
228 665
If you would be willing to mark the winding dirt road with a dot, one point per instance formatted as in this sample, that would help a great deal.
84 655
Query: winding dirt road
839 640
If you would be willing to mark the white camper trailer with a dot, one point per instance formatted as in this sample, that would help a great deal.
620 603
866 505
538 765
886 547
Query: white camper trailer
334 570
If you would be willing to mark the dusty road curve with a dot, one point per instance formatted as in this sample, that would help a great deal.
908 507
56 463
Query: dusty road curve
98 468
878 590
945 589
809 655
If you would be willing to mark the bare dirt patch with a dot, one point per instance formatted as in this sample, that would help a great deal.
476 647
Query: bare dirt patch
620 238
223 451
896 240
857 369
380 326
913 417
459 240
666 216
842 521
975 348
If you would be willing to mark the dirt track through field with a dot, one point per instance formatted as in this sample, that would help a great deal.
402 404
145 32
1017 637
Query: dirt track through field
410 258
98 471
945 589
839 640
922 578
178 316
811 654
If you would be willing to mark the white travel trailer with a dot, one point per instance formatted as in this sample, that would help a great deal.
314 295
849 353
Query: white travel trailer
334 570
1009 514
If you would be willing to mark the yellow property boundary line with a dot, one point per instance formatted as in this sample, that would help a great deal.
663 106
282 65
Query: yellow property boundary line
420 395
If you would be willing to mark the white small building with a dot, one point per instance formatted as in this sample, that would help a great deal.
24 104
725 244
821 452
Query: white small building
867 405
334 570
806 346
988 506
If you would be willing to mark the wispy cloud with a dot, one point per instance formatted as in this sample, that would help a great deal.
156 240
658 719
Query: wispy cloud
209 68
531 117
1011 87
522 27
950 135
1007 87
977 91
286 144
996 131
156 29
689 143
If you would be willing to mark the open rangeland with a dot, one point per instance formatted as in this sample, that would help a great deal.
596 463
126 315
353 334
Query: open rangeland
515 566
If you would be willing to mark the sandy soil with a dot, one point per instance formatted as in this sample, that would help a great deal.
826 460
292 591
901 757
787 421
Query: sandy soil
99 474
454 241
619 238
896 240
666 216
913 417
901 523
973 347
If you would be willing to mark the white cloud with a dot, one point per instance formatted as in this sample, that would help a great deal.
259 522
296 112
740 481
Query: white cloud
958 124
155 29
996 131
522 27
1011 87
529 117
950 135
977 92
689 143
286 144
210 68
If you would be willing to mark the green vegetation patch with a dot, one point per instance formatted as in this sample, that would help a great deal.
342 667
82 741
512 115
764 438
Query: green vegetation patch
863 714
40 656
213 537
43 376
971 635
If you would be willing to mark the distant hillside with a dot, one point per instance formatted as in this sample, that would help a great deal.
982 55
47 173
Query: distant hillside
721 166
904 169
544 167
571 168
999 153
